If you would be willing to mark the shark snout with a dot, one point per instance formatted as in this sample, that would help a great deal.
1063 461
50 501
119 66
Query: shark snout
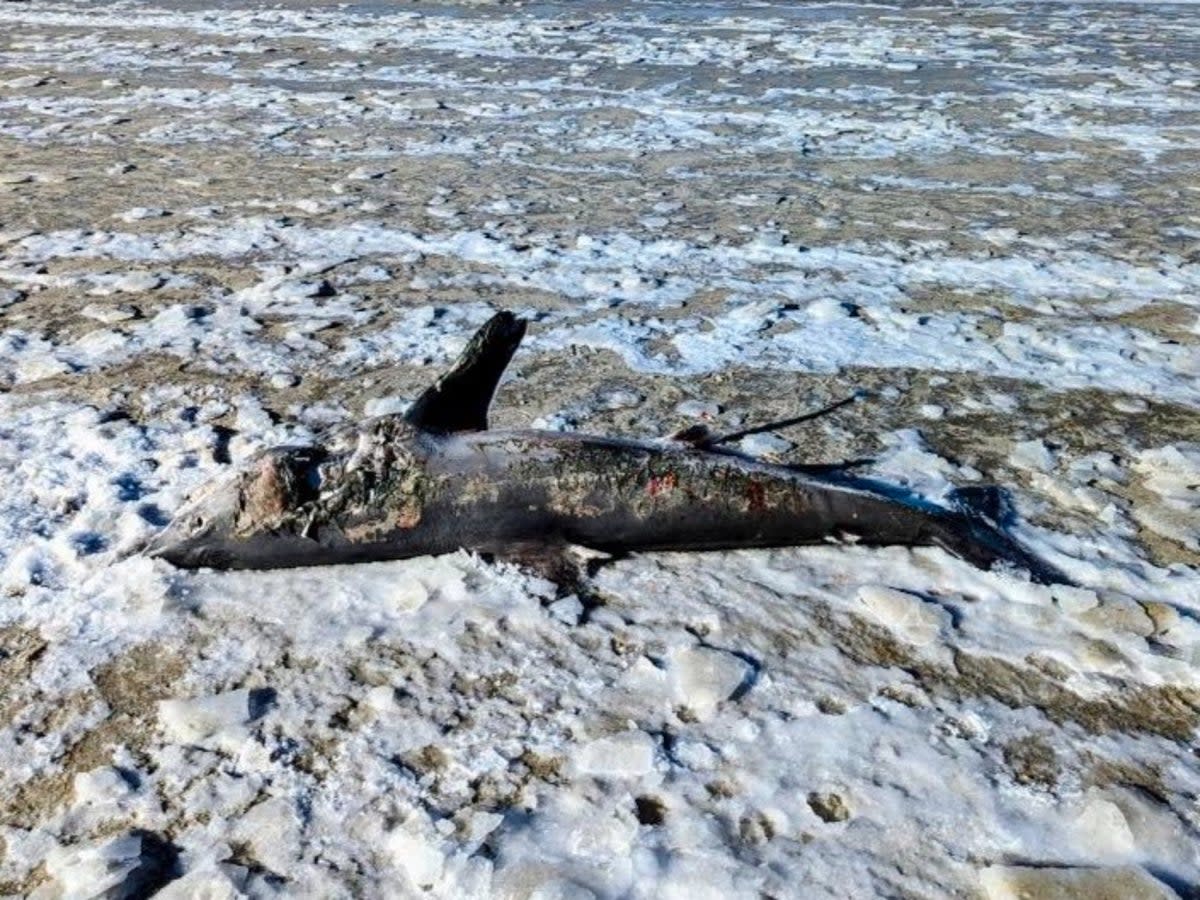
202 524
183 543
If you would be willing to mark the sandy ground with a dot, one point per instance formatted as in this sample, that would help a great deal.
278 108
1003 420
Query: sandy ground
223 225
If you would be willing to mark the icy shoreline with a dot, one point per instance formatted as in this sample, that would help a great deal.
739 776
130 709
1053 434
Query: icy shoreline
227 228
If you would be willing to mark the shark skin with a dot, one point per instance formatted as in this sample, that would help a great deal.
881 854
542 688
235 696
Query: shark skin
435 480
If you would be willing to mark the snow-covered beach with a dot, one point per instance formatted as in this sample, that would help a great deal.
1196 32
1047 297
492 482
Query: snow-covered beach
226 226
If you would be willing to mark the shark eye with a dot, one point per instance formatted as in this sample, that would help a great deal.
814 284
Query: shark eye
198 522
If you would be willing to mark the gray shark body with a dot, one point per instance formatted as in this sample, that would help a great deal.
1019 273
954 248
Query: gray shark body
435 480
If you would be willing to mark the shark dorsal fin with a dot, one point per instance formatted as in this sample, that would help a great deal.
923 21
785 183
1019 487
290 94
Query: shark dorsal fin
459 400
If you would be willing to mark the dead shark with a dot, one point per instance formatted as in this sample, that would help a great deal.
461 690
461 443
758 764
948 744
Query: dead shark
435 480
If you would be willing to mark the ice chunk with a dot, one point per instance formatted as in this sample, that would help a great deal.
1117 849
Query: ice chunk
1171 473
919 622
703 677
385 406
109 315
765 445
101 785
90 870
209 882
628 755
252 418
828 309
272 830
128 865
188 721
698 409
1049 883
1101 830
1034 455
421 861
138 213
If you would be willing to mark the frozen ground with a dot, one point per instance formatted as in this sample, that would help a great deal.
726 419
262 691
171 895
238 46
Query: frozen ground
226 225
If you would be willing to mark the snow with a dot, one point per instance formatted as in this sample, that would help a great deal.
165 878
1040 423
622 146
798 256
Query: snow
1172 473
93 871
1013 882
193 720
625 756
229 228
413 635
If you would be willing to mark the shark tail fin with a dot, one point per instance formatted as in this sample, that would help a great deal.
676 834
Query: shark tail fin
979 534
986 501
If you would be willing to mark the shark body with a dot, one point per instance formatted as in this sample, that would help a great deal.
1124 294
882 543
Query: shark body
435 480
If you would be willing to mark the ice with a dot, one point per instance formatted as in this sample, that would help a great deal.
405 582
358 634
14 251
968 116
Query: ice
628 755
213 882
919 622
233 226
103 785
698 409
115 867
703 677
1172 473
272 829
1034 455
139 213
195 719
1126 883
765 445
417 857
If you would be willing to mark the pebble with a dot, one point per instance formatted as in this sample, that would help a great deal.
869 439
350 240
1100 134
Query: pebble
829 806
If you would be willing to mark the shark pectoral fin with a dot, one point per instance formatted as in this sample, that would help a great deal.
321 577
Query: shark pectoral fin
459 400
784 423
564 564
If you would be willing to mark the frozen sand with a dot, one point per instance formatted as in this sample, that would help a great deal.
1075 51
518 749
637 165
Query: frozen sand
224 228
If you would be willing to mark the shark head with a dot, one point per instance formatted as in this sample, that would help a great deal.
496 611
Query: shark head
364 489
235 518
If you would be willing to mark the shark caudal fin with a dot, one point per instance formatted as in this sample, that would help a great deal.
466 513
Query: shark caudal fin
459 400
978 534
